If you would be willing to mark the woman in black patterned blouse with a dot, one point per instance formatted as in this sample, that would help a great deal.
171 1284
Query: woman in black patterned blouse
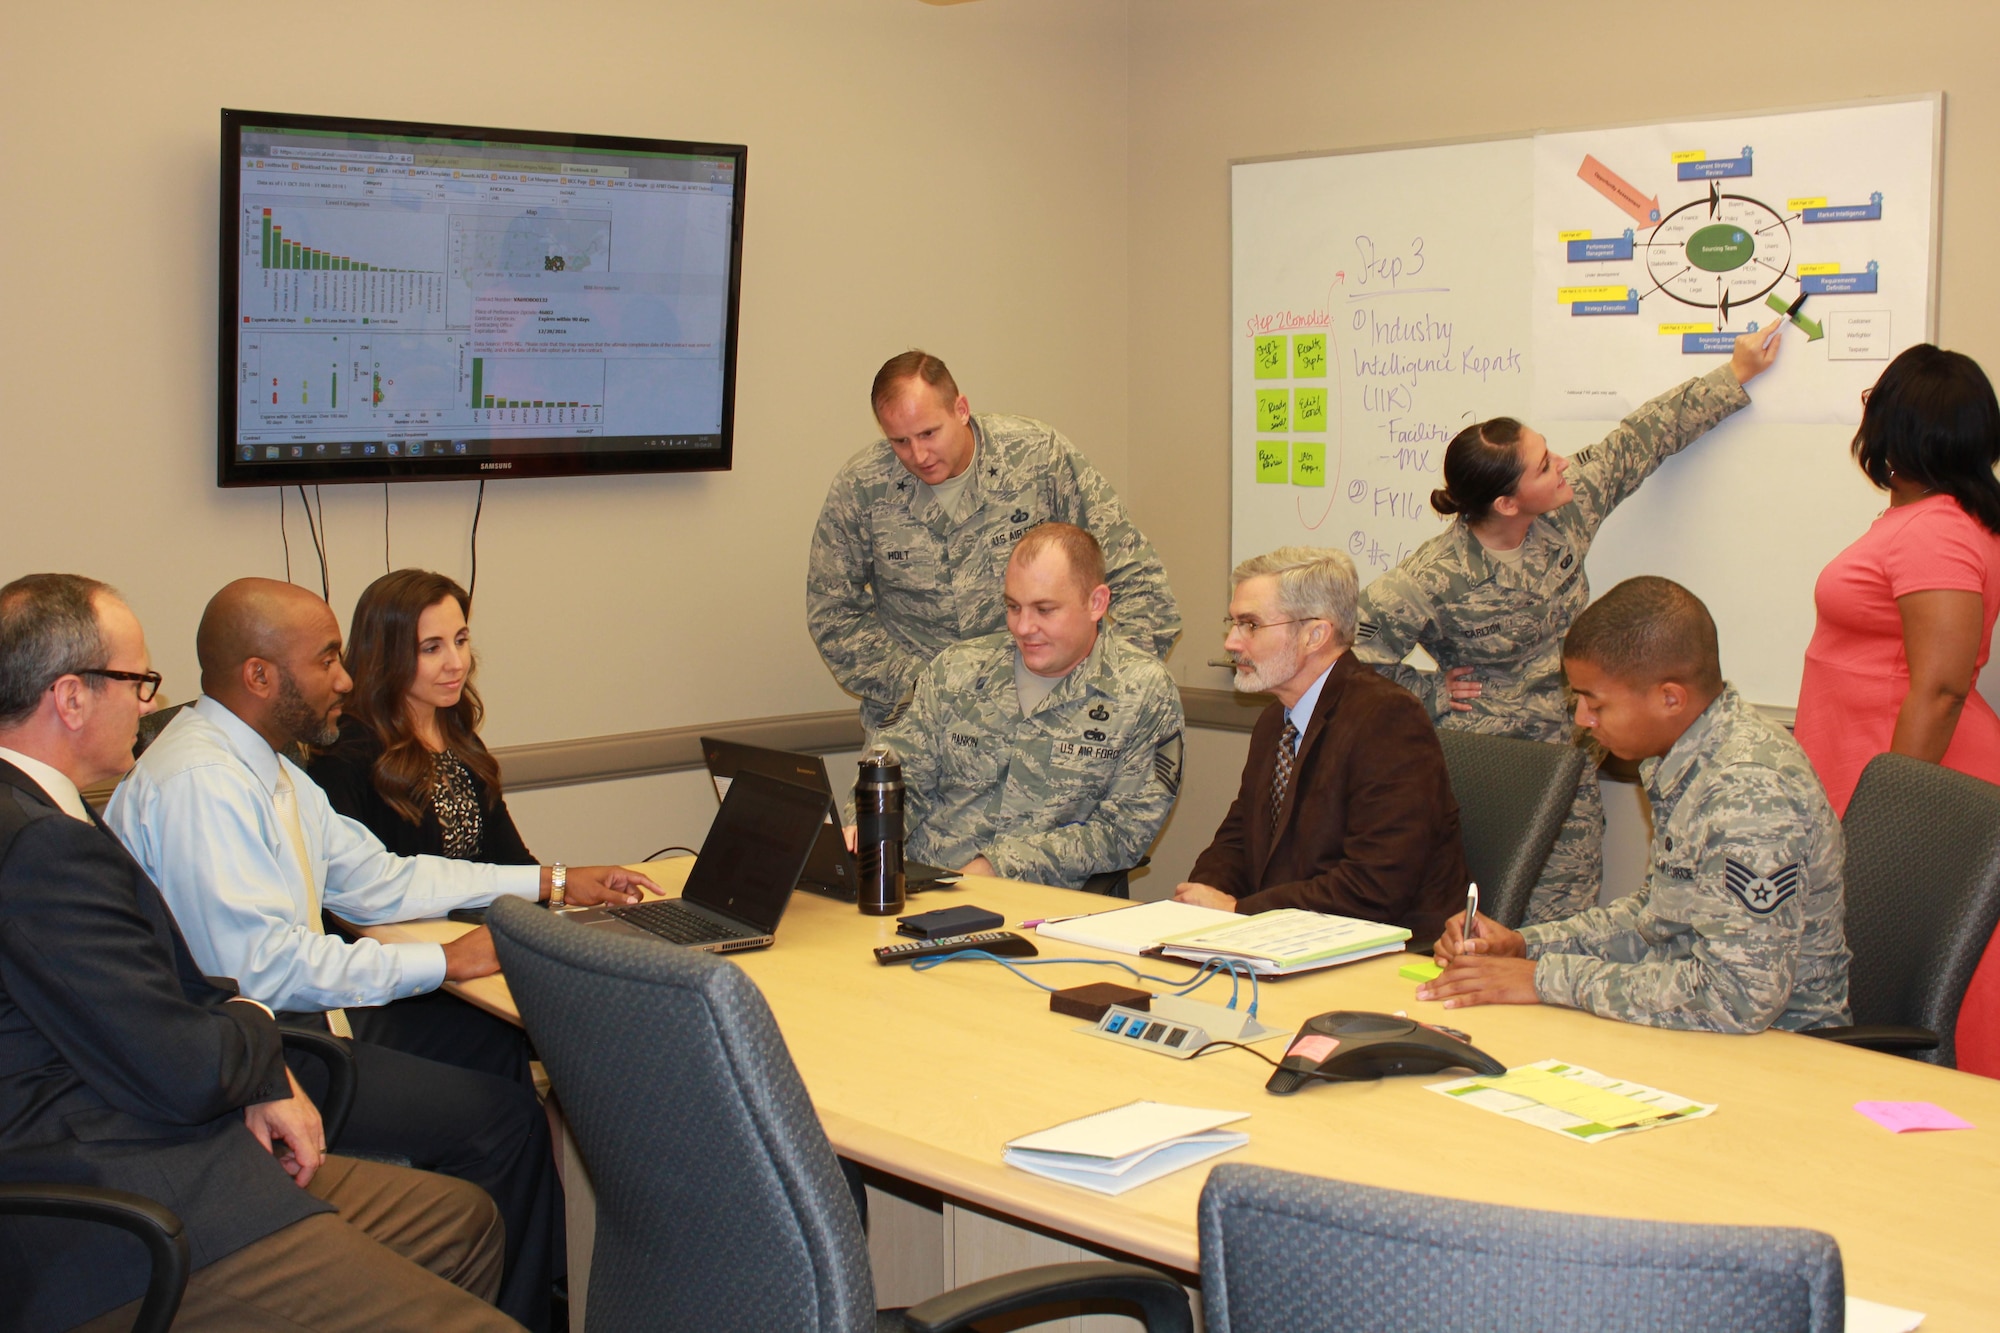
410 765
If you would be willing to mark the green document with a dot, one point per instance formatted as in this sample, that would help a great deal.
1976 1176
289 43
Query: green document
1312 409
1271 463
1308 356
1274 409
1308 463
1269 358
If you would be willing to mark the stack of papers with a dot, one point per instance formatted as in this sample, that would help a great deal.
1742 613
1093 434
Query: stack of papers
1117 1150
1276 944
1133 930
1575 1102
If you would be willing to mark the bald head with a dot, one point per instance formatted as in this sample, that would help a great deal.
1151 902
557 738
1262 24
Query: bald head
270 651
253 618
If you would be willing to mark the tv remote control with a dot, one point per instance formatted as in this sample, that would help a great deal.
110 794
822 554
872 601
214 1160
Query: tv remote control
1003 942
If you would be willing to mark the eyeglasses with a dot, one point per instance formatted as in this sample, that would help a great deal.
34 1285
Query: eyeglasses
148 682
1249 626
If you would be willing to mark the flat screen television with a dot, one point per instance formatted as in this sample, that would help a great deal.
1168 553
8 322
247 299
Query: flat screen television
415 302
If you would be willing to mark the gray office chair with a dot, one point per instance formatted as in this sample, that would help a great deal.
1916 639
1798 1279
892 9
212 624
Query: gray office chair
1923 897
719 1205
1286 1253
1114 883
151 725
1512 798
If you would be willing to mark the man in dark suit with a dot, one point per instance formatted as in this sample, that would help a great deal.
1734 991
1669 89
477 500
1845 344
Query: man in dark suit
121 1066
1345 805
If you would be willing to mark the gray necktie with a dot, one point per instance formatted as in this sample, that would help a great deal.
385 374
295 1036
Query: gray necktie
1281 777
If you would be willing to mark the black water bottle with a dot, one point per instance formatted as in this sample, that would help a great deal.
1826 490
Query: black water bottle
878 832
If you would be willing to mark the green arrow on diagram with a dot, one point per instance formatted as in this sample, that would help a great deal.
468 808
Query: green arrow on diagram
1813 331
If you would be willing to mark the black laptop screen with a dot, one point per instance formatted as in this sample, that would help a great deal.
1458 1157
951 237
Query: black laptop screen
755 850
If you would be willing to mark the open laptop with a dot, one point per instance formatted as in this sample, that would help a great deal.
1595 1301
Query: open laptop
743 879
830 869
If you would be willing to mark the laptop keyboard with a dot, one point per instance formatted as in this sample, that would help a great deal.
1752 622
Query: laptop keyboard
670 921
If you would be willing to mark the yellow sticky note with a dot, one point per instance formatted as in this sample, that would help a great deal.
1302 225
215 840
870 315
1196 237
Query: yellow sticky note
1268 360
1806 270
1422 969
1308 356
1308 463
1583 235
1273 463
1566 295
1610 1109
1274 409
1677 329
1805 201
1691 155
1311 404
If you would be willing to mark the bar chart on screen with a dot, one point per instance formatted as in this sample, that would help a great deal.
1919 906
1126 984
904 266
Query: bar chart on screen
536 391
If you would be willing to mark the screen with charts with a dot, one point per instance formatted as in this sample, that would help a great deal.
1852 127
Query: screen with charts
425 302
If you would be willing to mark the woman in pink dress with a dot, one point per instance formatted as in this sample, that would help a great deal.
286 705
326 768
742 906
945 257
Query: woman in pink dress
1906 613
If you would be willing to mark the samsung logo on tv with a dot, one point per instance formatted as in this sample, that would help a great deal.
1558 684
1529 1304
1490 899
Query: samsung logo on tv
494 467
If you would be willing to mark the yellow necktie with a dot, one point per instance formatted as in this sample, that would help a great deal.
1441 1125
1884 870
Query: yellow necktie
287 801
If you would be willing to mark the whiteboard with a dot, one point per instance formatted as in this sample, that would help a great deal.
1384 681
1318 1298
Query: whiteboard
1383 300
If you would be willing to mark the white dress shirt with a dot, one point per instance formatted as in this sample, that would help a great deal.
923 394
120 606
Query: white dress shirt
55 783
199 813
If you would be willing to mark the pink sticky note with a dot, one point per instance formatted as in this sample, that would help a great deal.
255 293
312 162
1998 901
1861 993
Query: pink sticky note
1313 1047
1901 1117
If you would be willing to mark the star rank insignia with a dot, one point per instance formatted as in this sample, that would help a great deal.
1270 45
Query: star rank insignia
1762 894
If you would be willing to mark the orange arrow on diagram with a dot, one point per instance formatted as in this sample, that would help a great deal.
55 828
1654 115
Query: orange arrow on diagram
1619 191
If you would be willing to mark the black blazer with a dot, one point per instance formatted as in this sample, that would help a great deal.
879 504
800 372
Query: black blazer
346 773
120 1066
1369 827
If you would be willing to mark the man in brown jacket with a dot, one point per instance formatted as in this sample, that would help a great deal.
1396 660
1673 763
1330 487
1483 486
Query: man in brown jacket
1345 805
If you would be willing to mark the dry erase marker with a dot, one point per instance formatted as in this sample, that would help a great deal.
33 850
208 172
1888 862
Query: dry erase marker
1471 908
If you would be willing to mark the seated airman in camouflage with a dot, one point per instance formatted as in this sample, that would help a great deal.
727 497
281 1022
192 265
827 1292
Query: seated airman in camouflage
1051 752
912 544
1738 925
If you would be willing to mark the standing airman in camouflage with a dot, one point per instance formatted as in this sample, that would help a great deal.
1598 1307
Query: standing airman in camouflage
1491 597
1738 926
912 543
1051 752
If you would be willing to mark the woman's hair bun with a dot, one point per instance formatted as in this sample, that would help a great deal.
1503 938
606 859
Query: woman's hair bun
1442 502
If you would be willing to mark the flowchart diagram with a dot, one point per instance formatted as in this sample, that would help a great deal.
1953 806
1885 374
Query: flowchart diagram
1656 246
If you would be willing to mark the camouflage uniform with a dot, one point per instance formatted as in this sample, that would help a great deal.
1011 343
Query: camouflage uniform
893 580
1465 608
1738 926
1080 786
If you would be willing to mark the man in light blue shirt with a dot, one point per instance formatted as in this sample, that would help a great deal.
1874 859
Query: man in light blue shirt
247 850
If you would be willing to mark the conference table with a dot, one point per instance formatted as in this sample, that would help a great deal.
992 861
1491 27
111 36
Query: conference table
924 1076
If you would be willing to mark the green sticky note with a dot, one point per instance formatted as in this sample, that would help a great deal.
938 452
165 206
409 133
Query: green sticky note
1274 409
1308 463
1308 356
1269 358
1422 969
1272 463
1311 404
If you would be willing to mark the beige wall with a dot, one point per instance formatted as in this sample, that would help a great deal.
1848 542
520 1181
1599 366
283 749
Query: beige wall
953 177
1037 189
1213 82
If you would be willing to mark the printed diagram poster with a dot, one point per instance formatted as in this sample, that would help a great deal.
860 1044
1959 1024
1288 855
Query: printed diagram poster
1655 246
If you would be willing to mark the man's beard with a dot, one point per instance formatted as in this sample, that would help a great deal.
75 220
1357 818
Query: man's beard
1272 669
299 720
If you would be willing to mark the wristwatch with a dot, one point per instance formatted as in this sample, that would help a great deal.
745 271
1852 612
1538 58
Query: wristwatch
558 884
